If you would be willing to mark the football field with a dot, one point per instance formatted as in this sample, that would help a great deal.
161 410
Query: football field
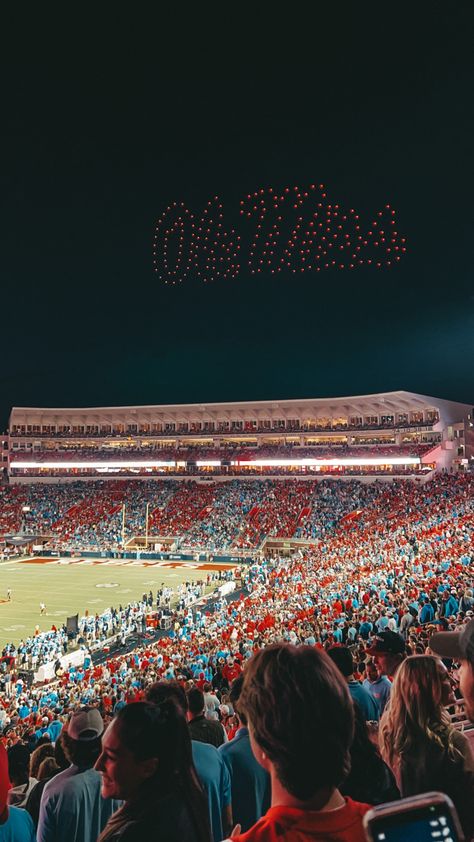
70 586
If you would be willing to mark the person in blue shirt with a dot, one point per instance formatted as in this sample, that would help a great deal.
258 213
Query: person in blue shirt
342 657
382 622
337 634
377 685
450 606
365 629
251 787
426 613
54 728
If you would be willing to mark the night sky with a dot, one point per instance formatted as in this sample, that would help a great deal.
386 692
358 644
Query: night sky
104 122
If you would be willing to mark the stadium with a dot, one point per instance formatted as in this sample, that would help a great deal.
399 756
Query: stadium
160 488
170 543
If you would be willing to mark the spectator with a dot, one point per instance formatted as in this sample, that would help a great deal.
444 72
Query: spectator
377 685
15 824
423 749
18 769
370 779
342 657
211 769
301 726
427 612
211 702
467 601
407 621
388 651
37 756
200 728
146 761
250 782
72 807
34 798
47 769
460 646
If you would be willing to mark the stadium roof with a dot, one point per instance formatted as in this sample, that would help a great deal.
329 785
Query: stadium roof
378 404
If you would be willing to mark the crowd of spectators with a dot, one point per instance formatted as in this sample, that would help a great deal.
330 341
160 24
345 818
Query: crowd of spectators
337 650
217 517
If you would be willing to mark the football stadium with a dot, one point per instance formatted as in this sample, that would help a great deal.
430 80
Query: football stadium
237 425
153 550
107 504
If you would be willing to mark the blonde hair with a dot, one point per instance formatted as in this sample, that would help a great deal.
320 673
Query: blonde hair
415 721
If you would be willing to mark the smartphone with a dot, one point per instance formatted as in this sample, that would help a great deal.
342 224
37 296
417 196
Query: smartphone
430 817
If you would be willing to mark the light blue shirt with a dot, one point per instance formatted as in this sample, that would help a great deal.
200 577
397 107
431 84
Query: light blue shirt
18 827
72 808
251 787
365 700
215 778
379 690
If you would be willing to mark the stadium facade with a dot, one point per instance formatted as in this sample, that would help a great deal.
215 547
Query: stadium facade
385 434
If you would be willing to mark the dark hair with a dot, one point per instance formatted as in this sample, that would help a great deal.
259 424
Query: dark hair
342 657
195 701
160 730
59 754
162 690
18 763
234 696
299 709
370 780
82 753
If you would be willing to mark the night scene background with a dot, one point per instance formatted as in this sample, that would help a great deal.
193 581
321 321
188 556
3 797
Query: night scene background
105 122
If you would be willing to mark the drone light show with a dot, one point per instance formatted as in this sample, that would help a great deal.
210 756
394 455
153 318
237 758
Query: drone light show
294 230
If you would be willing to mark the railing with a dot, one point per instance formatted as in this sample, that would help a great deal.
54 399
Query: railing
233 431
460 719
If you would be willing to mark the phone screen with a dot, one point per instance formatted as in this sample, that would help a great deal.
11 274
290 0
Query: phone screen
432 823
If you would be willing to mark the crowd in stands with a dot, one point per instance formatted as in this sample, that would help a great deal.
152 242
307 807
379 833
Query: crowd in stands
217 517
348 660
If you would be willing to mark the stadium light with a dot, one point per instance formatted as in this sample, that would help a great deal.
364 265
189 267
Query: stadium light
67 466
214 463
334 463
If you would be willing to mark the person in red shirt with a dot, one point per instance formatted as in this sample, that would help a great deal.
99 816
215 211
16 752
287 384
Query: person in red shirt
231 671
301 724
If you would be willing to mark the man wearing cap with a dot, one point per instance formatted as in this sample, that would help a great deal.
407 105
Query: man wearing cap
72 807
388 651
459 645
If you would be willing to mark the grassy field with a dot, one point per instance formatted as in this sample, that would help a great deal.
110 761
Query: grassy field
69 588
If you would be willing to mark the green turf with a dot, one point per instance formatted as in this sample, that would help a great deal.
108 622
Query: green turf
70 589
